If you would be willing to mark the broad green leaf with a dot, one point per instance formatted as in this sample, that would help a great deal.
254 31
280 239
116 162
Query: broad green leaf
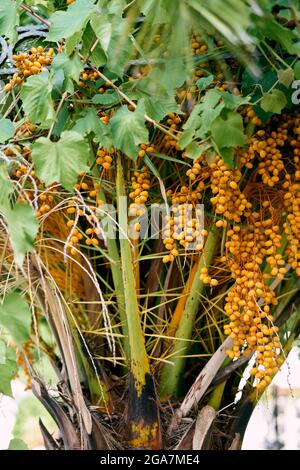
114 7
71 67
250 83
15 317
186 138
17 444
207 118
194 119
107 99
66 23
227 155
129 130
204 82
284 36
297 70
97 56
60 121
274 101
150 85
286 76
90 123
177 67
203 114
58 80
211 99
72 42
61 161
103 29
8 372
113 32
36 98
6 187
232 101
174 73
2 352
87 122
22 229
195 150
9 19
227 130
157 108
157 10
7 130
119 49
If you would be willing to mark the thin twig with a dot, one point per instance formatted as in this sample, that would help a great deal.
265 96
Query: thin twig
12 106
34 14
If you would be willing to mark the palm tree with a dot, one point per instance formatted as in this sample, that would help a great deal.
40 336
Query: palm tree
137 344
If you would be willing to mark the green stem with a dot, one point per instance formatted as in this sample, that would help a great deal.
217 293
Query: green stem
116 271
173 370
139 363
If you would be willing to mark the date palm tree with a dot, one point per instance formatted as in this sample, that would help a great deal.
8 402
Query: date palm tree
134 325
